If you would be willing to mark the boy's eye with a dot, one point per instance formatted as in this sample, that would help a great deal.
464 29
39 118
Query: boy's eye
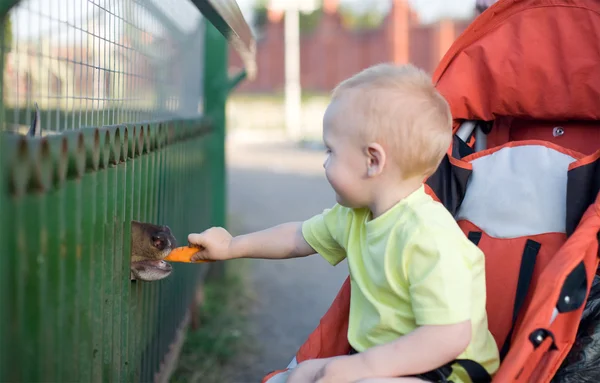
328 151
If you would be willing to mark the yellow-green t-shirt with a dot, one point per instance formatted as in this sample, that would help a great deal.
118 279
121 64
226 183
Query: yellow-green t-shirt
411 266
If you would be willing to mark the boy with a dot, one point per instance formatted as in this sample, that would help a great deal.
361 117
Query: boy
417 283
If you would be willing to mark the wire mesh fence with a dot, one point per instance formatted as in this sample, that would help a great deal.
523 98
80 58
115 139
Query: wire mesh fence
119 86
101 62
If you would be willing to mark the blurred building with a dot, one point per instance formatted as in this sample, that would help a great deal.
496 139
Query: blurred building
331 52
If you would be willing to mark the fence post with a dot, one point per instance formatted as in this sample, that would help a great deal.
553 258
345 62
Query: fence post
215 98
5 6
3 269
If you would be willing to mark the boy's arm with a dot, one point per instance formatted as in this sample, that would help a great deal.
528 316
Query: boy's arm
289 240
278 242
424 349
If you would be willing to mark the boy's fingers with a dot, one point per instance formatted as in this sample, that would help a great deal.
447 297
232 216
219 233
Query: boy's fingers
195 239
198 256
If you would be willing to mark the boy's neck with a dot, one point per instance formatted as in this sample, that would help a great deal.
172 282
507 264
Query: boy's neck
389 196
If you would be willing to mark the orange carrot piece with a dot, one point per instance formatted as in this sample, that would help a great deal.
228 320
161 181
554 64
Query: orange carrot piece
183 254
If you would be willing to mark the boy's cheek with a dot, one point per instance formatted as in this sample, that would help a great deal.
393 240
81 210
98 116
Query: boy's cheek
343 186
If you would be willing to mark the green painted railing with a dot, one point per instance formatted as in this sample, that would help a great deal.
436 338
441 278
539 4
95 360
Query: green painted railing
68 310
73 314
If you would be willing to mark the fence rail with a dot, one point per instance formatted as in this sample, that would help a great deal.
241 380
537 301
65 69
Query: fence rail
68 310
73 311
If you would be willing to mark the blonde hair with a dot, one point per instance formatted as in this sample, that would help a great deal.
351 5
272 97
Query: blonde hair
403 112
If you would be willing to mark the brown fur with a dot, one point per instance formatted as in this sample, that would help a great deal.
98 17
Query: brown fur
150 244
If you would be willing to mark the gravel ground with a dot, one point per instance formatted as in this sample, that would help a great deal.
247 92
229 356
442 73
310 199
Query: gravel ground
271 183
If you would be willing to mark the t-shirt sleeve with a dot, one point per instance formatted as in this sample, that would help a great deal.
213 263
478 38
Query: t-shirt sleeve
440 278
327 232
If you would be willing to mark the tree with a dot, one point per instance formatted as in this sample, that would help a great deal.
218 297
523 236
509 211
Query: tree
260 15
308 21
8 36
370 19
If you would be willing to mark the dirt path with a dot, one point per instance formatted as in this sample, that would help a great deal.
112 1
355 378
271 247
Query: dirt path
271 183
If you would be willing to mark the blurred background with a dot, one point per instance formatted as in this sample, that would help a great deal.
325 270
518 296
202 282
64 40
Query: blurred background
151 116
336 38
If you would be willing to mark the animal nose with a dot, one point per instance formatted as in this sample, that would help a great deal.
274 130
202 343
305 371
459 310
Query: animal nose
166 266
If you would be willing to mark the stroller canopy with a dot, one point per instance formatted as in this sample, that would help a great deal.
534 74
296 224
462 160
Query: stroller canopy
535 59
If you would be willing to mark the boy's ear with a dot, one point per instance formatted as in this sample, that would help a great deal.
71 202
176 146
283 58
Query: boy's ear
375 159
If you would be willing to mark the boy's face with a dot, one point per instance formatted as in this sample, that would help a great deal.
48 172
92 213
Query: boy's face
346 164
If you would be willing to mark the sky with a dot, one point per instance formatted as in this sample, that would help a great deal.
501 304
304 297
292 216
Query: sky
428 10
54 19
51 18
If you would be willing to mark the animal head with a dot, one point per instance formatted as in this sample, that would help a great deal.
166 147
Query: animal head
150 244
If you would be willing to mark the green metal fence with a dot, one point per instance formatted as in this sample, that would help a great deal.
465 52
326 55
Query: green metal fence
68 310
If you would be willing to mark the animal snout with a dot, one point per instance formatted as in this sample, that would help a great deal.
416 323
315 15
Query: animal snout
165 266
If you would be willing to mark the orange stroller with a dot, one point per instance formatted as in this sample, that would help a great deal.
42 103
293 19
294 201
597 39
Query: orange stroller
521 178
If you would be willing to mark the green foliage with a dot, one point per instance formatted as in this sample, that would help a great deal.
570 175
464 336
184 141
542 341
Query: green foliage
308 21
208 352
8 36
371 19
260 14
351 19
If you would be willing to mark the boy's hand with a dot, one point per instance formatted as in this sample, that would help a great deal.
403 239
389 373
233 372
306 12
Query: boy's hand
338 369
343 369
279 242
214 245
306 372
